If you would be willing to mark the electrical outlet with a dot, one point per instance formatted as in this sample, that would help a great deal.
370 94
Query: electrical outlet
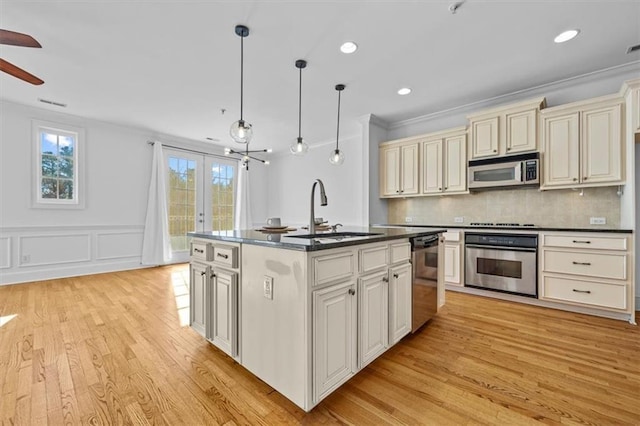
268 287
458 219
26 258
598 221
408 219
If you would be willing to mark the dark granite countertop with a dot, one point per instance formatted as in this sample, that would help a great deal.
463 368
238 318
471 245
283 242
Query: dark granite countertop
512 228
290 242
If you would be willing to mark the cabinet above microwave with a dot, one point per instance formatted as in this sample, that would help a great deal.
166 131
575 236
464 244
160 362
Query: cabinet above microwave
505 130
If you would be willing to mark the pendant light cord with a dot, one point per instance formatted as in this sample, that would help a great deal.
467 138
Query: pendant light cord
338 126
241 73
300 108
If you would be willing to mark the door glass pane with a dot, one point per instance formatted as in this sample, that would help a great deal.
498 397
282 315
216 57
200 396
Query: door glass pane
222 185
182 201
502 268
496 175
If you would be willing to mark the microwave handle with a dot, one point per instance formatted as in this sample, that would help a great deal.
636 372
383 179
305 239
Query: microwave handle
518 176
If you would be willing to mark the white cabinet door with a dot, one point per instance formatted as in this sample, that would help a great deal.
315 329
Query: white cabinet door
601 145
452 264
199 297
484 138
224 311
390 171
561 149
455 164
521 131
399 302
432 167
409 170
373 323
334 337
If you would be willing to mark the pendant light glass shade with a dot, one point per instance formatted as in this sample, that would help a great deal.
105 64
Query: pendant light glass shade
241 131
299 147
337 157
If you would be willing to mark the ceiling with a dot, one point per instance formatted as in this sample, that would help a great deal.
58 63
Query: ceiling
173 66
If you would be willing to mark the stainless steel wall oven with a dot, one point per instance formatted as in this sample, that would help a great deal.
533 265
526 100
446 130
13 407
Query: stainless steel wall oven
502 262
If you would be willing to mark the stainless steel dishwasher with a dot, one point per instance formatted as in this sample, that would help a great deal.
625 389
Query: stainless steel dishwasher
424 289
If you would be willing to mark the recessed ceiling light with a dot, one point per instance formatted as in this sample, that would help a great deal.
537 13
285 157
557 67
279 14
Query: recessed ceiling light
348 47
566 36
404 91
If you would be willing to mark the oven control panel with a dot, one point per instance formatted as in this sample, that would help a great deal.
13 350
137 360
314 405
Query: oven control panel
501 240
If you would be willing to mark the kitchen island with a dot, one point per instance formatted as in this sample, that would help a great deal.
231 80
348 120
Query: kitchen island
303 314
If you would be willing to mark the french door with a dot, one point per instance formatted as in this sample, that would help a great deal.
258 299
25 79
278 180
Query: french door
201 195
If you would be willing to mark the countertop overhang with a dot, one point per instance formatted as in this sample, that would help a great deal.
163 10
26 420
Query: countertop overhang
289 242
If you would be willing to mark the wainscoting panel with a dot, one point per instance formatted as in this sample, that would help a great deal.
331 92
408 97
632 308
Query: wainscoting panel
49 252
5 252
39 250
116 245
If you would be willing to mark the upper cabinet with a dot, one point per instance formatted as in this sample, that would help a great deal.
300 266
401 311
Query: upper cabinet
582 144
505 130
399 175
444 162
631 92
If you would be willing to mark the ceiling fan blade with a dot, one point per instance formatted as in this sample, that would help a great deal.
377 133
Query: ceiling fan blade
15 71
17 39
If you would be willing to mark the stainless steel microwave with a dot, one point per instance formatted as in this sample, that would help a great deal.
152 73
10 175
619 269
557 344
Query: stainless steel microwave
505 172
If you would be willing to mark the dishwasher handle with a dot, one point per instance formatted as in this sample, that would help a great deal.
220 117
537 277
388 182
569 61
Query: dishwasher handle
419 243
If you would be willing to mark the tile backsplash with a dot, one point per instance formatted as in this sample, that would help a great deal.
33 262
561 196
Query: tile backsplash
556 208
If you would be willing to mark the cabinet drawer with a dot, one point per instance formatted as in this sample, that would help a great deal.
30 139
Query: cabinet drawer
226 255
589 242
373 258
399 252
333 267
201 250
453 236
595 265
585 292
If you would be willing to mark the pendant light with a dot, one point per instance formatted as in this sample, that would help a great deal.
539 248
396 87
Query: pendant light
247 155
337 157
241 131
299 147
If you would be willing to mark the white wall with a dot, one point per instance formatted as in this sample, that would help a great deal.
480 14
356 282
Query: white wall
106 235
291 179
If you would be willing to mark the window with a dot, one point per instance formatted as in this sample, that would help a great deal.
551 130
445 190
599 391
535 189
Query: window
223 196
58 166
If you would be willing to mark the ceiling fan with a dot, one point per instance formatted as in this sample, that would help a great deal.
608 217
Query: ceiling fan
23 40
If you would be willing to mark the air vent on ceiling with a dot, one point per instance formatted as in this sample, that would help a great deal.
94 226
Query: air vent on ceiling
633 48
46 101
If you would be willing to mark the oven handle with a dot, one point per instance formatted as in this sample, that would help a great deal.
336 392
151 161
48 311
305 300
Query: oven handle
529 250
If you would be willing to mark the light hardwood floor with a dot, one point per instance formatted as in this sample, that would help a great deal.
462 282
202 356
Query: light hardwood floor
110 349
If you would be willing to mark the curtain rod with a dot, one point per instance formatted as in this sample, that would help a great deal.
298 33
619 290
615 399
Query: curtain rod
191 150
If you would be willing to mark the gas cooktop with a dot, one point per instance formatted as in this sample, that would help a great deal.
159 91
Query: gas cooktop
502 224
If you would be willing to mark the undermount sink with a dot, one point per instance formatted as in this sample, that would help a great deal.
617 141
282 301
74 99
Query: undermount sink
334 235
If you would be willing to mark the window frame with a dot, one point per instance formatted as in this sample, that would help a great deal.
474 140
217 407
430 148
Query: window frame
78 133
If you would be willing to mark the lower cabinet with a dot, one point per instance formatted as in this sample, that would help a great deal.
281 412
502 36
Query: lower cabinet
223 315
373 323
213 297
452 263
334 337
198 297
399 302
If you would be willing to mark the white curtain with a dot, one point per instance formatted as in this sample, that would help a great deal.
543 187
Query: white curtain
243 201
156 247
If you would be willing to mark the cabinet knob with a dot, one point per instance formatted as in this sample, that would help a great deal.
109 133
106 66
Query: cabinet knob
446 187
508 149
439 189
398 191
352 291
495 150
396 276
584 178
575 179
385 279
213 276
203 273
